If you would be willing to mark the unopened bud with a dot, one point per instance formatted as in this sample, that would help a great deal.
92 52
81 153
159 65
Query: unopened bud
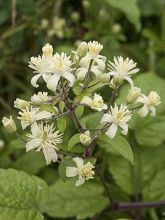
47 50
9 124
86 3
85 138
82 49
104 77
117 81
75 16
21 104
133 94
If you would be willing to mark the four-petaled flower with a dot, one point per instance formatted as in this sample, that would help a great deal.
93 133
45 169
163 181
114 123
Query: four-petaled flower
45 138
117 117
83 171
149 103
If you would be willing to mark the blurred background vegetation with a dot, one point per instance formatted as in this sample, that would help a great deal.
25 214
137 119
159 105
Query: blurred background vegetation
133 28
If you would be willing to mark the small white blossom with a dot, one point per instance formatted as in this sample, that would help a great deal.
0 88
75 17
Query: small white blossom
45 138
85 138
82 49
83 171
21 104
40 98
133 94
47 50
30 116
60 67
96 103
149 103
94 49
117 117
122 69
9 124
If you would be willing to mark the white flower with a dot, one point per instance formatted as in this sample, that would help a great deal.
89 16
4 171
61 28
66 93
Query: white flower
122 69
97 67
9 124
118 117
85 138
40 98
82 49
21 104
83 171
149 103
133 94
94 49
96 103
61 67
47 50
45 138
41 66
29 116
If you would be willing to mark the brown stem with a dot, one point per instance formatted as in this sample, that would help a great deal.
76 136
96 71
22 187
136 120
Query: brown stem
87 75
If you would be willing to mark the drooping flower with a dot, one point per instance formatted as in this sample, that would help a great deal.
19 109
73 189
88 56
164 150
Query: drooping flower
133 94
122 69
61 67
21 104
97 67
94 48
117 117
85 138
96 103
45 138
83 171
9 124
30 116
149 103
40 98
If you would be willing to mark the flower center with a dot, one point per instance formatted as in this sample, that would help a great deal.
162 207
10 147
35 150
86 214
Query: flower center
97 103
44 135
119 116
87 172
26 116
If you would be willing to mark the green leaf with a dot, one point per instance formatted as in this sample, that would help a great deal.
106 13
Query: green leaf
61 124
79 111
61 106
118 144
92 120
22 196
75 139
62 171
48 108
130 9
67 200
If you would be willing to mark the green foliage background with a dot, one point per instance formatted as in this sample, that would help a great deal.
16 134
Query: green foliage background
134 28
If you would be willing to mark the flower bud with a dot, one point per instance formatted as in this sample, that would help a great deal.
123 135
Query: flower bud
86 3
47 50
116 28
85 138
82 49
133 94
75 16
2 144
117 81
104 78
21 104
9 124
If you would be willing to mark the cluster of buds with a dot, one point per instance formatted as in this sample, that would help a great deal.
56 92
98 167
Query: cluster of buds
81 74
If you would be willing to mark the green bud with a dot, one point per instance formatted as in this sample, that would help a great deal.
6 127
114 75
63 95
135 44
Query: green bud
85 138
117 81
82 49
9 124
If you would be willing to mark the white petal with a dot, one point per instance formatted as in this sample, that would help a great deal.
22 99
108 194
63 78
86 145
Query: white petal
24 124
125 128
46 76
43 115
35 130
86 100
71 171
49 154
35 79
53 82
106 118
153 111
130 81
79 161
143 111
80 181
70 77
112 130
34 143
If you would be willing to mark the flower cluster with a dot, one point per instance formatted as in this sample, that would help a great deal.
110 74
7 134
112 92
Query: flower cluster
73 82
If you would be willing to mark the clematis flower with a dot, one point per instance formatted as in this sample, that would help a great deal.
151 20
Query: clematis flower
30 116
20 104
94 49
40 98
45 138
133 94
96 103
117 117
83 171
149 103
85 138
9 124
60 67
122 69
